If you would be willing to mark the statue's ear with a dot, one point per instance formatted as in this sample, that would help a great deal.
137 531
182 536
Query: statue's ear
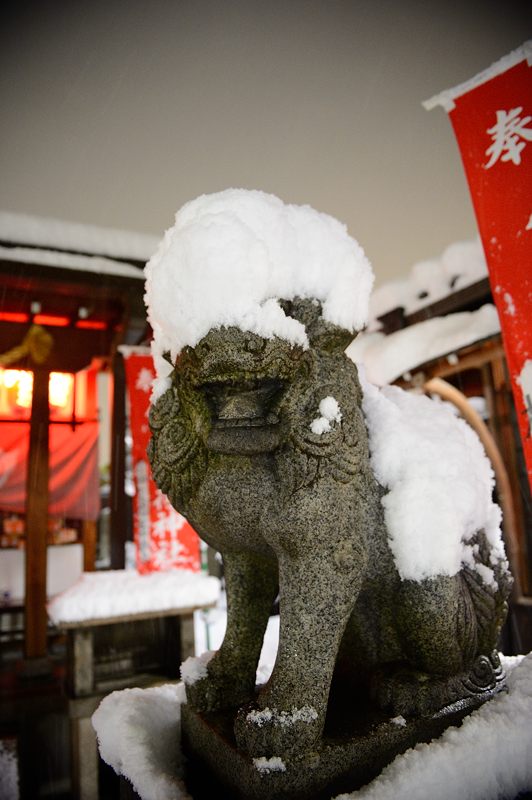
326 336
322 335
167 357
331 338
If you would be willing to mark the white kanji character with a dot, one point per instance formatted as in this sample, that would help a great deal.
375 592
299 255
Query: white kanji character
144 380
505 134
160 555
160 501
167 553
168 521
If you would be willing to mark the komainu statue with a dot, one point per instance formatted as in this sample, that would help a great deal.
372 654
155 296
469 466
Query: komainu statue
368 511
238 447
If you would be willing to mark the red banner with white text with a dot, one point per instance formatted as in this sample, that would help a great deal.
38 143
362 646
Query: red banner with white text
492 120
163 538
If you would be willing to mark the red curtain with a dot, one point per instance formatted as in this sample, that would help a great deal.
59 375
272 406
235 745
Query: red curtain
74 489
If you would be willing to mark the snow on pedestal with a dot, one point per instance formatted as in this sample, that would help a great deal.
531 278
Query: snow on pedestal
487 758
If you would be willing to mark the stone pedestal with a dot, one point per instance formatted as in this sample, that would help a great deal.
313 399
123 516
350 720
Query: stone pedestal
359 741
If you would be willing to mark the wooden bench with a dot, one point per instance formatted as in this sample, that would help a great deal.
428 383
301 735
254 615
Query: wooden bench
84 677
88 683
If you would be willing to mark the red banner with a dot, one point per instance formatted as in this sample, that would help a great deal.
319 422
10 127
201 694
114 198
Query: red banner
492 120
163 538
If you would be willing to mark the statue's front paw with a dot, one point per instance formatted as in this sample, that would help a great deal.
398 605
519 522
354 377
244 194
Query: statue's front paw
210 687
271 732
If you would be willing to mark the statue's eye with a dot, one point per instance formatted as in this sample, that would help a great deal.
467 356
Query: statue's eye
202 350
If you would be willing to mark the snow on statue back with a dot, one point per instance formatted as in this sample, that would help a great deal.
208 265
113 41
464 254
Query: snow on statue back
234 448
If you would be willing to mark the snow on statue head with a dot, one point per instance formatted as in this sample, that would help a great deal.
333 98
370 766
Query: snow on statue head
232 256
390 567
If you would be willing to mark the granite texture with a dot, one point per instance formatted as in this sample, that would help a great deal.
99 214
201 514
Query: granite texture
289 509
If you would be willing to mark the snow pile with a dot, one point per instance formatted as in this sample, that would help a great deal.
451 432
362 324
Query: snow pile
439 483
464 263
285 719
232 255
116 593
138 734
386 358
195 668
461 264
267 765
330 413
488 758
24 229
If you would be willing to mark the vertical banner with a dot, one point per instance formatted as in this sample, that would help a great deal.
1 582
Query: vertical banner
163 538
492 120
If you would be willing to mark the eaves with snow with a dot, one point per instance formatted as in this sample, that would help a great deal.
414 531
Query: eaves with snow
410 324
87 248
80 277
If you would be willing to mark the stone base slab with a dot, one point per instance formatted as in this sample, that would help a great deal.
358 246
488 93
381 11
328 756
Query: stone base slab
343 761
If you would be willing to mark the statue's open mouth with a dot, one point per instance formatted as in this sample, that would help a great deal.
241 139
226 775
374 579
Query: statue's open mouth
243 415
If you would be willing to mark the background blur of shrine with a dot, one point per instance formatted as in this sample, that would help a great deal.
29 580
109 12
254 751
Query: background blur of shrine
75 378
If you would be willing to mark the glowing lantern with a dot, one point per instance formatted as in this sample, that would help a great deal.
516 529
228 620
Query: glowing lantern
60 389
19 383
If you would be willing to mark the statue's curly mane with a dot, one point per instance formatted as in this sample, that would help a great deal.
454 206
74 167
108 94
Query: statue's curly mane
177 454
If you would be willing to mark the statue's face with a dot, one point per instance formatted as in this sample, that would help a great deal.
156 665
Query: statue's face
241 377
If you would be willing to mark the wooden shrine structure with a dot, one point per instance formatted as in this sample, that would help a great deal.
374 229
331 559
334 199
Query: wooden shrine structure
61 309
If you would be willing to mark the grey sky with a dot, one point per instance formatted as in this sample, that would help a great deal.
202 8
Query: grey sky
116 113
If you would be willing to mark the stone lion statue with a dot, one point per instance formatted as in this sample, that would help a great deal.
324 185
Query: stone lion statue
295 507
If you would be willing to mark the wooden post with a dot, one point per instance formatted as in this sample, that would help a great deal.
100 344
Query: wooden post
119 521
89 536
37 519
80 661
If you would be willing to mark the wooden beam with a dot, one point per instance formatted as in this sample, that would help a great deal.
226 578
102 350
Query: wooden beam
119 508
89 537
37 519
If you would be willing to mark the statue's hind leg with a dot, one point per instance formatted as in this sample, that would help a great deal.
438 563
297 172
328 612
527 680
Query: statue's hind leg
251 584
438 624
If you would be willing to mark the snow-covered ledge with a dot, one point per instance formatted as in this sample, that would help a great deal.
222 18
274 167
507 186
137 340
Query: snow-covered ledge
101 596
488 758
